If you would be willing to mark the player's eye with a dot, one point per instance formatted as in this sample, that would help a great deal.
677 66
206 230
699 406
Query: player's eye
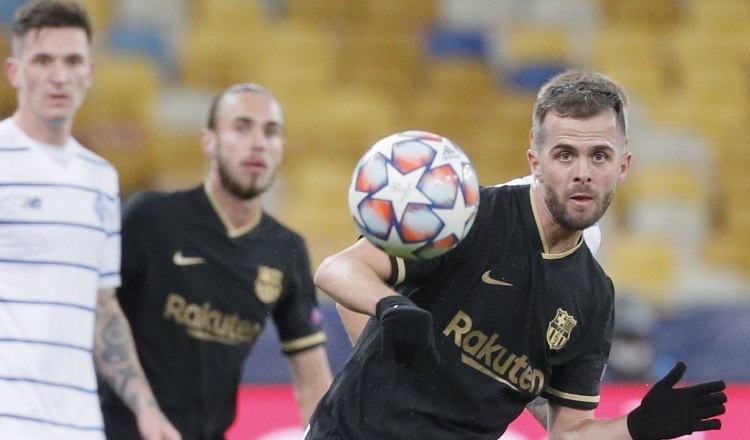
600 156
74 60
42 60
243 127
272 130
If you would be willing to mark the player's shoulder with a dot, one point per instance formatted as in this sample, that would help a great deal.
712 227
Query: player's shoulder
502 195
154 203
94 161
271 226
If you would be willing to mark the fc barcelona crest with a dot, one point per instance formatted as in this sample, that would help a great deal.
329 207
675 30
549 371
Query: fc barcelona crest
559 329
268 284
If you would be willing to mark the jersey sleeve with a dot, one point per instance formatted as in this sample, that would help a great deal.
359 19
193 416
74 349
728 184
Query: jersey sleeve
576 383
297 316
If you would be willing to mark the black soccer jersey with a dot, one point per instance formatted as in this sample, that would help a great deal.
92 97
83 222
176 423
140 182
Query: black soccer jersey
511 322
197 294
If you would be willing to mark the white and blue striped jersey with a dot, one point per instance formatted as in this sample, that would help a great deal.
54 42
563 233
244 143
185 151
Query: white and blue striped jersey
59 244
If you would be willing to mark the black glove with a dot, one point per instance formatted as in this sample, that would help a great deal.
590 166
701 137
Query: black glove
407 331
667 412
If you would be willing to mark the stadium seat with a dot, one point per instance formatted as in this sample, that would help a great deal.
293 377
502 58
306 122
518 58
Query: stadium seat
718 15
117 120
448 42
635 57
297 61
342 123
227 14
7 92
210 57
657 15
144 40
644 265
7 9
101 14
532 54
381 60
460 80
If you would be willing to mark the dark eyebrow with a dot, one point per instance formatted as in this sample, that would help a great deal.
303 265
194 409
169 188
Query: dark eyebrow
595 148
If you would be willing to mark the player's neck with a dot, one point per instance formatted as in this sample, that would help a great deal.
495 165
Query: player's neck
237 212
46 132
556 238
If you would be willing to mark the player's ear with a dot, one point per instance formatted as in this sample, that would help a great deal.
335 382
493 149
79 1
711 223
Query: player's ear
208 141
531 156
11 71
624 165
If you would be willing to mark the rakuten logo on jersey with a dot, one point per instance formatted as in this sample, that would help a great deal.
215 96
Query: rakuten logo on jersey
482 353
205 323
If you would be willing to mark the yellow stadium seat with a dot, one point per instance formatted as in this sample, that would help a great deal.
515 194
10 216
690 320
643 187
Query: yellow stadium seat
634 56
227 14
665 182
527 43
717 15
343 123
297 60
460 79
656 15
101 13
214 58
644 265
117 118
729 249
393 15
7 92
385 61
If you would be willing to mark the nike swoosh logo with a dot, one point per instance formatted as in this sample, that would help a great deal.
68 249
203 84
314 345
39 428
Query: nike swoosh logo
489 280
181 260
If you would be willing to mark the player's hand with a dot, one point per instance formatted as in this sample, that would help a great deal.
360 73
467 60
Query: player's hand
407 331
154 425
666 412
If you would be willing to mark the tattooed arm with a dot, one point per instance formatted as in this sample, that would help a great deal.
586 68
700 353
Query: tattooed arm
539 408
117 362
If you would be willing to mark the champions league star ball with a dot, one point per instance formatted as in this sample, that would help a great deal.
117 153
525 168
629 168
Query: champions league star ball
414 194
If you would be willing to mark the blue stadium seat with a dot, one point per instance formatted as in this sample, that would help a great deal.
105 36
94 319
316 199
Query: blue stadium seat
143 40
453 42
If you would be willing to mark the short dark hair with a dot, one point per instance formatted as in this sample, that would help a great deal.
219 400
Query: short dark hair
579 94
237 88
38 14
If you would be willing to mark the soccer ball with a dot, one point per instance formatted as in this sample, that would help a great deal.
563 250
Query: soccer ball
414 194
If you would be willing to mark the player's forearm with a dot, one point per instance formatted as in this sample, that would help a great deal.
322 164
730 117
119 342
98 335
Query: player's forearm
596 429
311 377
115 357
586 428
352 283
539 408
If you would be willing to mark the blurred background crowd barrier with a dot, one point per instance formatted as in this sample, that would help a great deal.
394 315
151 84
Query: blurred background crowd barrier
677 239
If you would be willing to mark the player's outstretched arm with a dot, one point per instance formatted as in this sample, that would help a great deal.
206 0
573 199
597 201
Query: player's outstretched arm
354 323
665 412
116 361
311 377
355 278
